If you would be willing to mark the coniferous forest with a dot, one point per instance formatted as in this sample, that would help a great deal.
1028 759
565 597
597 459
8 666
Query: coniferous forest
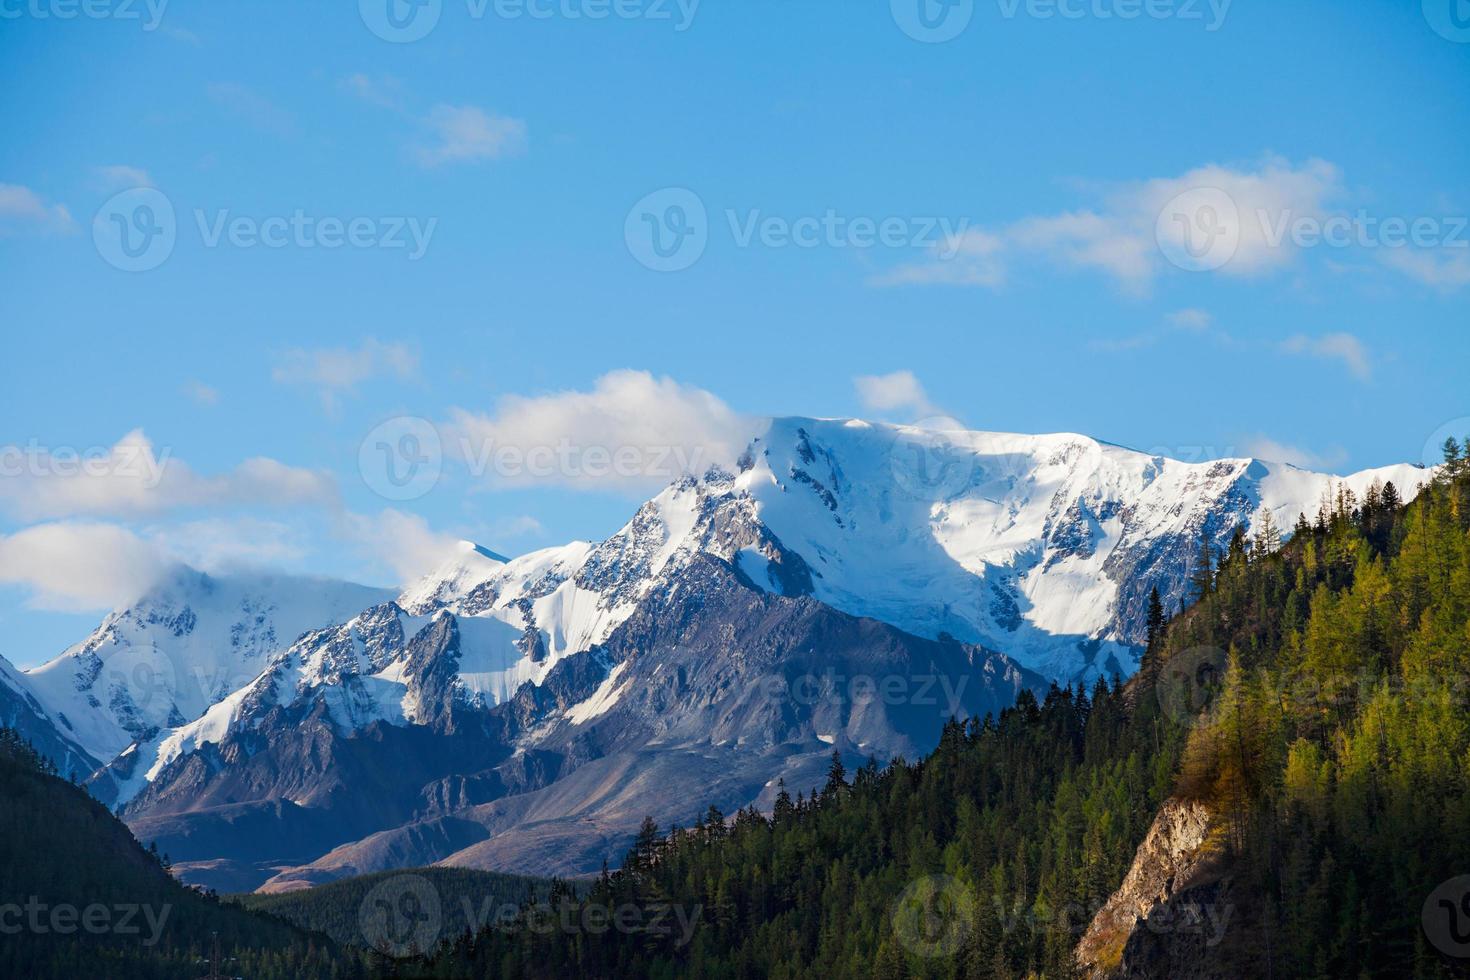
1312 700
1332 744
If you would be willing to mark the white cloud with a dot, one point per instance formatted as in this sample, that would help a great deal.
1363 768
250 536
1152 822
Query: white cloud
510 528
131 479
1446 269
384 90
468 134
1195 321
23 207
1190 321
335 370
221 544
201 393
1341 347
969 259
1264 447
1119 234
897 391
631 432
1114 243
115 177
400 541
80 566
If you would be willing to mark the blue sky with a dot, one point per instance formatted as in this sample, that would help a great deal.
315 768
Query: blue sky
505 173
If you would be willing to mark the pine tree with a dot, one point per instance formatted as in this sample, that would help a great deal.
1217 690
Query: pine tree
836 777
1268 537
783 810
1154 620
1202 577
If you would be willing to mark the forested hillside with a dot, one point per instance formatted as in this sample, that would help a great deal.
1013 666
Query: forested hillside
80 898
464 898
1312 701
1313 698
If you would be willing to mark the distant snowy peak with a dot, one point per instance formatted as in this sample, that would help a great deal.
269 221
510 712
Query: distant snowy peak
189 642
1042 546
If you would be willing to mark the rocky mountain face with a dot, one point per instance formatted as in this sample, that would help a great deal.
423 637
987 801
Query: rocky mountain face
1164 917
843 586
711 689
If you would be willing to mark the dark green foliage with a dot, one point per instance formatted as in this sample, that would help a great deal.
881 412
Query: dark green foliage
1335 753
467 899
79 897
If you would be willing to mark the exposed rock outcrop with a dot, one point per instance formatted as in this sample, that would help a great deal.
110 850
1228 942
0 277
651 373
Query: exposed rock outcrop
1173 907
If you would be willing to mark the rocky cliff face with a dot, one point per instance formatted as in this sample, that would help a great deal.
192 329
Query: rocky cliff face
710 690
1173 908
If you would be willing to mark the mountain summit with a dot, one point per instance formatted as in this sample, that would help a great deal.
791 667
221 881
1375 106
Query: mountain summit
525 713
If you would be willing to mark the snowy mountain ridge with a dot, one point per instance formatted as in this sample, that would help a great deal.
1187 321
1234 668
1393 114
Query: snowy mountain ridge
1040 547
